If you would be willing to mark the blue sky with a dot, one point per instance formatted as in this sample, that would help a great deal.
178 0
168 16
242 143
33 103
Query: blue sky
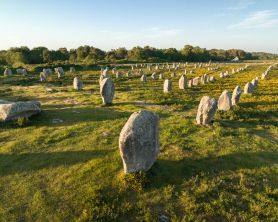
251 25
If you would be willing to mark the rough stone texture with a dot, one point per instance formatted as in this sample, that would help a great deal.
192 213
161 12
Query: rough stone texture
236 95
21 72
14 110
143 78
182 82
224 101
77 83
107 90
8 72
195 81
167 87
248 88
206 110
139 141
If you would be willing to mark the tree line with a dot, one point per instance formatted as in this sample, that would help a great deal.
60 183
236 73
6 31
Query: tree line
90 55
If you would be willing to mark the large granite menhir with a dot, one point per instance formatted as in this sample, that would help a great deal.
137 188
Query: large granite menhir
139 141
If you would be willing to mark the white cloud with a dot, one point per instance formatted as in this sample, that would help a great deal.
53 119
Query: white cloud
259 19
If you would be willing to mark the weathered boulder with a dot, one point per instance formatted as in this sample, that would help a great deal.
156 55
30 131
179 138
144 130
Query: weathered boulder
77 83
183 82
206 110
107 90
21 72
14 110
224 101
236 95
167 86
8 72
248 88
139 141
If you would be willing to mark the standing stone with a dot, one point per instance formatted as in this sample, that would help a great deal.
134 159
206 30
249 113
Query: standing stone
167 87
206 110
72 69
107 90
42 77
248 88
190 83
77 83
139 141
8 72
21 72
224 101
255 82
161 76
182 82
119 75
236 95
144 78
211 79
195 81
173 75
153 76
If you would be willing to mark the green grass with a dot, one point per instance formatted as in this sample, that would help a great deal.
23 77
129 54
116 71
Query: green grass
72 171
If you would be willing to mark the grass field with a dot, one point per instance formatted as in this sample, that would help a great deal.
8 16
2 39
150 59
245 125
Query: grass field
72 171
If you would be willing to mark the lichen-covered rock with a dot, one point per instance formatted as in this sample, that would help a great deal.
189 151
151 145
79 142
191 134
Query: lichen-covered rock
225 101
206 110
139 141
77 83
14 110
236 95
107 90
183 82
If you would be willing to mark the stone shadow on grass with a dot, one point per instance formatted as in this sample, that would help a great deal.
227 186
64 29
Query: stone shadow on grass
167 172
22 163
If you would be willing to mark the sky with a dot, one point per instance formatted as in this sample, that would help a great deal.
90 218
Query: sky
251 25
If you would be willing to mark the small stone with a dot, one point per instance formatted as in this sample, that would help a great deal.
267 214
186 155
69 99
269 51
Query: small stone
77 83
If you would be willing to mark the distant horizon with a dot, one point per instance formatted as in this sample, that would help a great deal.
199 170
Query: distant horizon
250 25
133 47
